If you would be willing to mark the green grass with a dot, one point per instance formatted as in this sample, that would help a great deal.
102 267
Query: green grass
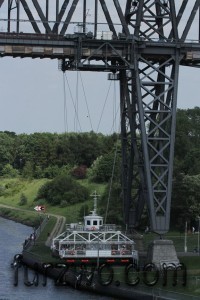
12 190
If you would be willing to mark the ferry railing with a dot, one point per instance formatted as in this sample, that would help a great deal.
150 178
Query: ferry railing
110 227
105 227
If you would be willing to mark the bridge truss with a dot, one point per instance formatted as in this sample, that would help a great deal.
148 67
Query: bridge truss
141 44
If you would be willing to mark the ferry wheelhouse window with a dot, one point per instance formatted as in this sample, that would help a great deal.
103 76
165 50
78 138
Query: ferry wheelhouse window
88 222
95 222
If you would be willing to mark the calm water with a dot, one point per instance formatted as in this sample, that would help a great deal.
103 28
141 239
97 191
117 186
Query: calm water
12 236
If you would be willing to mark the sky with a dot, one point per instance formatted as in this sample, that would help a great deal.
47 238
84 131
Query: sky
34 94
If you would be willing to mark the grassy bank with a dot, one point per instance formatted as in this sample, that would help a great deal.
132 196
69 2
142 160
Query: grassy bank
24 217
12 189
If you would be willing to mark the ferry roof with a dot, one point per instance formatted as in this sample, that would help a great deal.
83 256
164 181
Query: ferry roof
108 237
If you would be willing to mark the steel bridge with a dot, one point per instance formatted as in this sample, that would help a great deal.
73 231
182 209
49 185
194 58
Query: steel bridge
140 43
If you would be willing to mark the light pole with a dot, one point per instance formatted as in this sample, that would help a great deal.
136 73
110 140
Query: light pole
185 244
198 232
98 253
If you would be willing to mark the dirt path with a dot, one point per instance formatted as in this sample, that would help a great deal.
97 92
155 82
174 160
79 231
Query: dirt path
58 228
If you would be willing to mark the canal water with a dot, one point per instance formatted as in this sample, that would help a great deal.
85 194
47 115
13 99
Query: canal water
12 236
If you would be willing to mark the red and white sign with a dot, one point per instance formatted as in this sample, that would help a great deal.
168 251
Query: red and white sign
40 208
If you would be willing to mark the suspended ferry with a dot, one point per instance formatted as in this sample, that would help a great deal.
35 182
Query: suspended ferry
94 242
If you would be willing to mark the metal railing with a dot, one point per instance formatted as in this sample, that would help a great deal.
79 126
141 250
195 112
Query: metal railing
34 236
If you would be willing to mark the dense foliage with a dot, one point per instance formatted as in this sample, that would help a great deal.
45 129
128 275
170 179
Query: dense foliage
66 158
43 155
186 183
111 203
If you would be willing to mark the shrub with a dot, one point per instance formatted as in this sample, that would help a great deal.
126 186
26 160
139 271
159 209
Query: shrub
63 188
2 190
63 203
9 172
23 200
79 172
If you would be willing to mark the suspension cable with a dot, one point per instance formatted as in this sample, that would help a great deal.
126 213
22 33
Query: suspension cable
114 107
115 112
65 106
104 106
75 109
76 117
111 182
85 98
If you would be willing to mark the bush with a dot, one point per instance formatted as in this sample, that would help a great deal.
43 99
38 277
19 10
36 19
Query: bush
79 172
12 187
2 190
63 203
9 172
51 172
23 200
63 188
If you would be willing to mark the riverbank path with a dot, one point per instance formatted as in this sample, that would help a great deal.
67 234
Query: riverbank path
58 228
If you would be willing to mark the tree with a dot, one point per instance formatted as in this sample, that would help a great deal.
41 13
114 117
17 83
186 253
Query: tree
51 172
111 206
104 167
28 171
187 141
185 196
9 172
6 146
38 172
63 188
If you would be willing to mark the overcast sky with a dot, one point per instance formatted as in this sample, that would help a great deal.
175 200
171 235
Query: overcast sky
32 97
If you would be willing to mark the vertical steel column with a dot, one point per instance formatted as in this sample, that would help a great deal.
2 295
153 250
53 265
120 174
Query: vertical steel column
9 14
18 14
148 126
148 118
133 181
95 18
57 12
84 16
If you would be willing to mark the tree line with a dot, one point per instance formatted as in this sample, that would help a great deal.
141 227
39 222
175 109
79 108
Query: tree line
91 155
44 155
